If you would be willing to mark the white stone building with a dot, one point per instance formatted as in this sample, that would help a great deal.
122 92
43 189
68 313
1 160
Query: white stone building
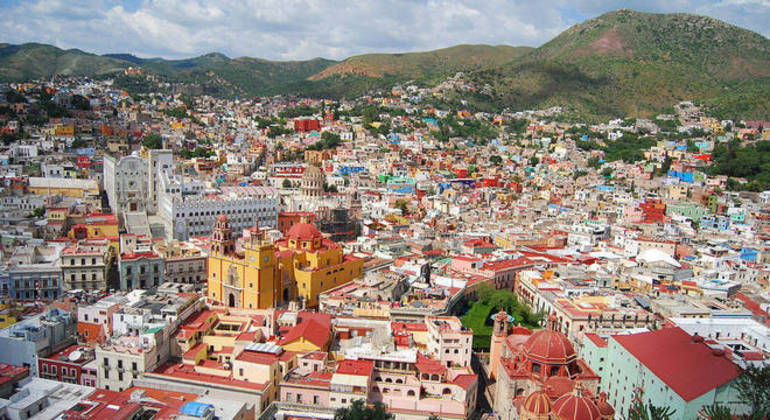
187 211
125 181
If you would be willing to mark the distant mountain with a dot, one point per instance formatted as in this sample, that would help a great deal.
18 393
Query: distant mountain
632 63
425 64
34 61
622 63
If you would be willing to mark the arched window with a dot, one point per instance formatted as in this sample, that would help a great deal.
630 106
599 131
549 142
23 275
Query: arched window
410 393
446 391
399 381
388 380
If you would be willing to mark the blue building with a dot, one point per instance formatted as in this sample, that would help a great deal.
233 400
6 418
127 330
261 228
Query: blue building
23 342
34 273
715 222
749 255
682 176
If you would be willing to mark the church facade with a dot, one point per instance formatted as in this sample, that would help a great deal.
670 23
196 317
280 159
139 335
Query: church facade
260 274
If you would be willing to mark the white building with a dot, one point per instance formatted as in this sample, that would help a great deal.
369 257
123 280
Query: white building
159 161
187 211
125 181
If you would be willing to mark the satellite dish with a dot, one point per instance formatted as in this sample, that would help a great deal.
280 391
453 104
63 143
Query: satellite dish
75 356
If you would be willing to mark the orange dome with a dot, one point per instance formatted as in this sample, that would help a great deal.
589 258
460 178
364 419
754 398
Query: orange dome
556 386
574 407
222 218
549 347
605 408
537 403
304 232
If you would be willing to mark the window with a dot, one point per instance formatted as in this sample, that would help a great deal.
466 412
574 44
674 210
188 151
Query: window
316 399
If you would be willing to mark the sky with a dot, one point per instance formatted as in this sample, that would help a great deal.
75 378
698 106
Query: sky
335 29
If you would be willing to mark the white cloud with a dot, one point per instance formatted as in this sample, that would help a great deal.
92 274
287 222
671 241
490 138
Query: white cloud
301 29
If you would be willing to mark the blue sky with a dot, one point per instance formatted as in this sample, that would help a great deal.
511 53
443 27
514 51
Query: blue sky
302 29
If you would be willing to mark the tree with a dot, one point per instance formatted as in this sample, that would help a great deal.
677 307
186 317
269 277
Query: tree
38 212
286 183
717 412
81 102
359 411
753 388
152 141
594 162
403 205
641 411
579 173
495 159
533 161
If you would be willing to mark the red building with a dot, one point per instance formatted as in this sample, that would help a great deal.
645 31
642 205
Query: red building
305 125
84 162
287 219
654 210
69 365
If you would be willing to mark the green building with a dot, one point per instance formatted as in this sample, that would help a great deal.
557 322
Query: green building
667 367
688 209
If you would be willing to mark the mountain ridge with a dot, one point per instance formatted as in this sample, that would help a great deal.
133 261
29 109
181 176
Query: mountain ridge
619 63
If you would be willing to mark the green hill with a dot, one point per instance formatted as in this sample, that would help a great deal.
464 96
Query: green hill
622 63
632 63
426 64
31 61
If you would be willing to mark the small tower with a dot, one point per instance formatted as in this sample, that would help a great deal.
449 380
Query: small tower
222 242
499 332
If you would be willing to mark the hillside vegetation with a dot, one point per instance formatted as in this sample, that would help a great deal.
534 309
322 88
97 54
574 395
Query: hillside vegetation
636 64
622 63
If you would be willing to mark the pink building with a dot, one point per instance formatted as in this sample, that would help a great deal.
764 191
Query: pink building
449 341
424 370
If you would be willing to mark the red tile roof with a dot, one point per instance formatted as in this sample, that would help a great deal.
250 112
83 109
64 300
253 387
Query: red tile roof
355 367
257 357
426 365
598 341
465 381
690 368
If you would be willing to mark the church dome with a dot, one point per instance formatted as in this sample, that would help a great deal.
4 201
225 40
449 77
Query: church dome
304 232
605 408
575 407
549 346
312 182
537 403
312 173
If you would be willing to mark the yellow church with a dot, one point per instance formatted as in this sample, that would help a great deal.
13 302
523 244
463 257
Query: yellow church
262 275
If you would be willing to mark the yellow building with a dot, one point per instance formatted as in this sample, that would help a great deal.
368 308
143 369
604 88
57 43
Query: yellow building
8 313
64 131
304 265
314 263
244 279
66 187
